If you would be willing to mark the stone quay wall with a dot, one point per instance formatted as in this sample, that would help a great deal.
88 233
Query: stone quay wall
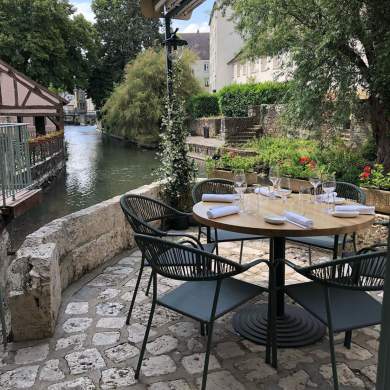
58 254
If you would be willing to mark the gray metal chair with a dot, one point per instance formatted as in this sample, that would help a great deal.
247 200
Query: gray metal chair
219 186
338 295
333 243
209 291
146 215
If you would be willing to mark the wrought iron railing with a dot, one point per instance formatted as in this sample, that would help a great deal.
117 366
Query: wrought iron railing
15 169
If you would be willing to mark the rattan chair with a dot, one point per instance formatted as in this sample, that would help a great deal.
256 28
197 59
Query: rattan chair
209 291
338 295
333 243
219 186
146 215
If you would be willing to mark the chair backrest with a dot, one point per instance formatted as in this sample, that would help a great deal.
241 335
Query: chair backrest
364 272
211 186
182 262
350 191
142 211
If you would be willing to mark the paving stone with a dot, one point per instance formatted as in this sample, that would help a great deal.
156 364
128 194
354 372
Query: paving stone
108 293
77 308
158 365
128 296
289 358
105 338
137 333
258 369
252 346
73 325
76 340
111 322
77 384
51 371
173 385
345 375
104 280
298 381
33 354
195 345
221 380
121 352
126 261
161 316
184 329
162 345
194 364
117 377
370 372
111 309
20 378
229 350
3 358
117 270
355 353
83 361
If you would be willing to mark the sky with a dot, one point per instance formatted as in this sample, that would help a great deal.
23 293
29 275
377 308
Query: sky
199 20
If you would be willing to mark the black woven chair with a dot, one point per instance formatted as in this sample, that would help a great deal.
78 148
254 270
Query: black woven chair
219 186
145 216
333 243
209 291
338 295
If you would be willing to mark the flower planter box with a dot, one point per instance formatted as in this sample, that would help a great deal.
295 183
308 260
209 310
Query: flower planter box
378 198
296 184
251 177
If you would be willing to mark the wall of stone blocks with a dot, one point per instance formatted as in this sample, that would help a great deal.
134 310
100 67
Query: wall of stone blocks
214 125
59 254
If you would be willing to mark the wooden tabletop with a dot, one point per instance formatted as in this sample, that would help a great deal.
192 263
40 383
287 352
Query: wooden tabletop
253 223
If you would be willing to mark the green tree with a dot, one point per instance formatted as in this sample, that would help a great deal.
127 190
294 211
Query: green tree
123 33
338 49
136 106
47 42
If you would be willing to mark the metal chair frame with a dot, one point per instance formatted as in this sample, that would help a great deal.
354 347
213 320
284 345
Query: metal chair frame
190 264
141 212
349 191
219 186
363 272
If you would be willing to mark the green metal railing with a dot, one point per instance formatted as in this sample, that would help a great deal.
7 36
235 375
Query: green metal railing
15 169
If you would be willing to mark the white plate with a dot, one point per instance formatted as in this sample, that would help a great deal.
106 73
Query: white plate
345 214
275 219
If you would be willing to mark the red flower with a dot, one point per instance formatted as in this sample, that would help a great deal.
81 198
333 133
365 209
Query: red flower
365 175
367 169
304 160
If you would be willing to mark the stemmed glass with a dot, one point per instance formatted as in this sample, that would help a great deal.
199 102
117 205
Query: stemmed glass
274 176
329 187
315 181
240 183
284 189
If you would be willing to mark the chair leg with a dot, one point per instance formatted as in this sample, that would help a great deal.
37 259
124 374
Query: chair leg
348 339
210 327
149 284
310 256
2 319
135 291
241 250
152 309
354 242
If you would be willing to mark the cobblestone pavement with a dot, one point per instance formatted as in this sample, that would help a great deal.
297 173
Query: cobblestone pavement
93 348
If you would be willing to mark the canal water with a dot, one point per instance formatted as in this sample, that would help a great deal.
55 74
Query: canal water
97 169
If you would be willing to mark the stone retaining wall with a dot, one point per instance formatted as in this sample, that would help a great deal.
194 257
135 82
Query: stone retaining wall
57 255
5 260
214 125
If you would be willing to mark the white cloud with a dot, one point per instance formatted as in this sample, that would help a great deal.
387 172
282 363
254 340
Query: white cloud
84 8
194 27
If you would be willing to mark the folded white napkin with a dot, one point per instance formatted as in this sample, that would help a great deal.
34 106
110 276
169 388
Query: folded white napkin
223 198
265 191
298 219
222 211
362 209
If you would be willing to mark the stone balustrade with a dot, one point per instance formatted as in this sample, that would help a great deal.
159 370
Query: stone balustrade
57 255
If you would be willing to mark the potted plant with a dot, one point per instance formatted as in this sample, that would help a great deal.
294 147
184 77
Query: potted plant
376 185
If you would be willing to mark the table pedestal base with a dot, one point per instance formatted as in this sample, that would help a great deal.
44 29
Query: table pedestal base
296 328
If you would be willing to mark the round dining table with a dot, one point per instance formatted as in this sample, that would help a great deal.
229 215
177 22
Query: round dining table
295 326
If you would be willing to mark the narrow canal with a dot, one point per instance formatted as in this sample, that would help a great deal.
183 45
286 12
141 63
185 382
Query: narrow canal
97 169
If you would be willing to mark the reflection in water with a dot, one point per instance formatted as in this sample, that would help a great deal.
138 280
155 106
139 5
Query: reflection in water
96 169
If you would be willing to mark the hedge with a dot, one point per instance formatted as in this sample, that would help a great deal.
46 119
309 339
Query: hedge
204 105
235 99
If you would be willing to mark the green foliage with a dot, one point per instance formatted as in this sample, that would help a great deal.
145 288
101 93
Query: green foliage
135 108
45 40
232 161
375 178
178 170
235 99
203 105
124 32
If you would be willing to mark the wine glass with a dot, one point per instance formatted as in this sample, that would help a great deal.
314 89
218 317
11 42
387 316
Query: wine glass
240 183
284 189
315 181
329 187
274 176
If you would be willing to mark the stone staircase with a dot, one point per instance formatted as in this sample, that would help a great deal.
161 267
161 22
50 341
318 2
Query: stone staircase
246 135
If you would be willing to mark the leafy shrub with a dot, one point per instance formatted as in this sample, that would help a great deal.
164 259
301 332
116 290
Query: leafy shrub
375 177
235 99
232 161
203 105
